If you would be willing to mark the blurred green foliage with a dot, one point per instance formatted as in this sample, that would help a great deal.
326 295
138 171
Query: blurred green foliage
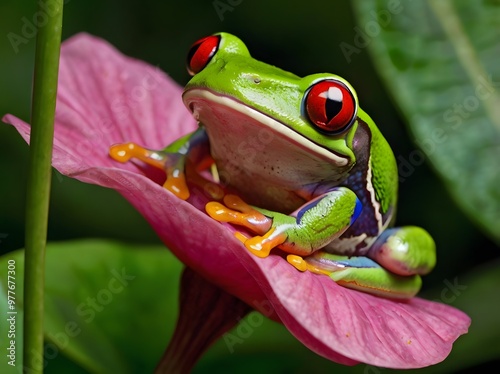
442 70
94 302
302 37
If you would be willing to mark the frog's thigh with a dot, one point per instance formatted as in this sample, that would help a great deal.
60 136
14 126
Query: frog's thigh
405 250
363 274
320 221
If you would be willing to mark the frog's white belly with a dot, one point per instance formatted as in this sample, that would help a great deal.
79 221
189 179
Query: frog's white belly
266 168
255 189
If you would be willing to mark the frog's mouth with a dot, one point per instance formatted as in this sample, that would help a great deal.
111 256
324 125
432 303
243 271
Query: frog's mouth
233 124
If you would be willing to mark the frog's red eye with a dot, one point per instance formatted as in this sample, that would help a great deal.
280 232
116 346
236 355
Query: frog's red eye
201 53
330 105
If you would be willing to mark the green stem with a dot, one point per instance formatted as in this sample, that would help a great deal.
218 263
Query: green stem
48 46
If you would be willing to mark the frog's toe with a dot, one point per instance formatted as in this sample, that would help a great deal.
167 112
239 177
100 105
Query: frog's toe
236 203
238 212
222 213
124 152
121 152
297 262
261 246
177 185
302 264
405 251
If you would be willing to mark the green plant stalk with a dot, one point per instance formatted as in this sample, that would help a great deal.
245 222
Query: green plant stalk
48 45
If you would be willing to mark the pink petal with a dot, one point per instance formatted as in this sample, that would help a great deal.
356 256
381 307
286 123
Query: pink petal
363 327
106 98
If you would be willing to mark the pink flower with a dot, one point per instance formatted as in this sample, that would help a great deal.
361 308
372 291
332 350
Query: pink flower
106 98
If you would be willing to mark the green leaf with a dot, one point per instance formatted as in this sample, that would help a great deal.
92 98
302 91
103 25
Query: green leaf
439 60
109 307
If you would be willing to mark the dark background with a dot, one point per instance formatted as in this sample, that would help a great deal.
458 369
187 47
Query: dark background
299 36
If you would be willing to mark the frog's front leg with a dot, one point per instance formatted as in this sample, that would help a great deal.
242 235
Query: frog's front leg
309 228
172 159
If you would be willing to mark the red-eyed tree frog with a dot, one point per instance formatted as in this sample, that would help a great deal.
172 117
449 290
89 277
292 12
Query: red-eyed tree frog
299 164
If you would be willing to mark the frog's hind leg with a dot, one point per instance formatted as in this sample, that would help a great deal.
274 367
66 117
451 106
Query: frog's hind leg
360 273
404 250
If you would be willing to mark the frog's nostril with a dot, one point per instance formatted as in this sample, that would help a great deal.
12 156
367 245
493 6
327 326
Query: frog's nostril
254 78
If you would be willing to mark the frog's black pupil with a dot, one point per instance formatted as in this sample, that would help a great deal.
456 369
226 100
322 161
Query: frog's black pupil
332 108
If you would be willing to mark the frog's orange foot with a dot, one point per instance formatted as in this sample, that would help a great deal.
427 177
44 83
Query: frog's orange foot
240 213
169 162
176 183
261 246
120 152
125 151
302 265
297 262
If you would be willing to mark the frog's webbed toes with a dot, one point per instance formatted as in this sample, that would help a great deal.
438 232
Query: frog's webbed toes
236 211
